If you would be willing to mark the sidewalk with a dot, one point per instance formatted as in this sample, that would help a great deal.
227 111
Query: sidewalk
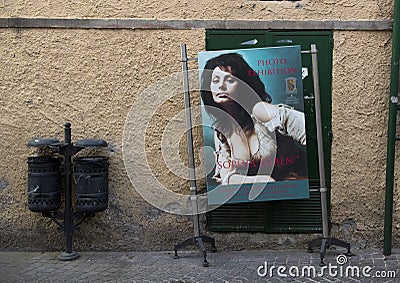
224 266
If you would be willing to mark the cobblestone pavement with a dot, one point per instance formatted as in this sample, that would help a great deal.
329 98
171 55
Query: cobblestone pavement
224 266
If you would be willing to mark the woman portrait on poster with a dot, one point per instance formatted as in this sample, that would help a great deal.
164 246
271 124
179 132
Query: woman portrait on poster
255 141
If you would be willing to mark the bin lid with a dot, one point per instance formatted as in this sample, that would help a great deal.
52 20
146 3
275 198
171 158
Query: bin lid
91 143
43 142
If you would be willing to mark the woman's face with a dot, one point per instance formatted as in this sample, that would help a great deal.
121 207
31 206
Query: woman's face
223 85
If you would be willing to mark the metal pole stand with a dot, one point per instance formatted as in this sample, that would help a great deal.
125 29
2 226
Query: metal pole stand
198 239
326 240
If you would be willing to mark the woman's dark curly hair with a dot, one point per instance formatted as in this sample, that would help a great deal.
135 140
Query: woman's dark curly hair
241 70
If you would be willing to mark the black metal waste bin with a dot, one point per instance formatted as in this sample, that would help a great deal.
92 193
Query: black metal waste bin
91 179
44 183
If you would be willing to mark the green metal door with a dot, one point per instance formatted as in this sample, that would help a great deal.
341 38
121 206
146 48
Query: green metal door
297 216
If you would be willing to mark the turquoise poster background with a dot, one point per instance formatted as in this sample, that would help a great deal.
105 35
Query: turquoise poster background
280 70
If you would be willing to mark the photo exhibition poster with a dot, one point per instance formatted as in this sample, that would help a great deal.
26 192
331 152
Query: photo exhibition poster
253 124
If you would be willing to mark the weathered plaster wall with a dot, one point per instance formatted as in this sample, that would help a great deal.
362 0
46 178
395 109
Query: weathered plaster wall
396 206
92 78
361 77
205 9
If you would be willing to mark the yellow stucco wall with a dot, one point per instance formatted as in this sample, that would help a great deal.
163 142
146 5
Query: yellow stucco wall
205 9
361 77
92 77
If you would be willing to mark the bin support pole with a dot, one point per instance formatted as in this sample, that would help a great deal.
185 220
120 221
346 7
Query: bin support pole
68 255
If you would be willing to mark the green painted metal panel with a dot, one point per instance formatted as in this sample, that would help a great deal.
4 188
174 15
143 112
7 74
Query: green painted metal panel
297 216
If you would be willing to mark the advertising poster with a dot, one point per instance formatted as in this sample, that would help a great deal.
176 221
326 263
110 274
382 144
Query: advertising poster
253 124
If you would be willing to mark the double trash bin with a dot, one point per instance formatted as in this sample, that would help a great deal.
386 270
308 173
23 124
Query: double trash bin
45 177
